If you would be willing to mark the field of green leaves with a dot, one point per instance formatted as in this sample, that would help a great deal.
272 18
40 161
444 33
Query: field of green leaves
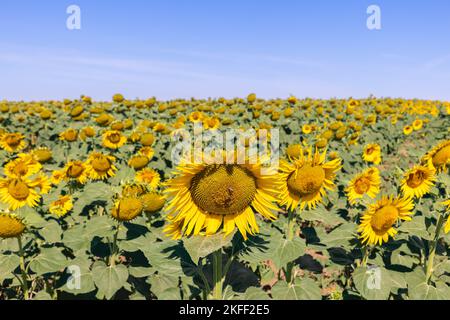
93 205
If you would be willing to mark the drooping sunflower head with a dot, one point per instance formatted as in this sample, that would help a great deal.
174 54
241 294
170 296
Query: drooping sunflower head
113 139
100 166
42 154
152 202
76 170
69 135
127 209
61 206
12 142
11 226
438 158
205 197
23 166
134 190
138 162
418 181
378 222
365 183
306 179
148 176
372 153
17 192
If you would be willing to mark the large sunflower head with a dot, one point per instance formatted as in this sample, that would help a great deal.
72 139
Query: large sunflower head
127 209
418 181
365 183
439 157
23 166
377 224
100 166
206 197
372 153
17 192
11 226
113 139
306 179
12 142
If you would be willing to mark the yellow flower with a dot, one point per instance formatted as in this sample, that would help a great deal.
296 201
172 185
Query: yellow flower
439 157
152 202
42 182
113 139
70 135
76 170
447 224
365 183
294 151
377 223
42 154
196 116
23 166
18 193
12 142
10 226
118 98
147 139
306 179
418 181
138 162
306 129
148 176
211 123
100 166
126 209
407 130
203 197
417 124
147 151
61 206
372 153
57 177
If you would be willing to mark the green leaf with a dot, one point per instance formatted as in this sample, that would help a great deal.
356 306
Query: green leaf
373 283
109 279
49 260
416 227
51 232
81 280
8 263
254 293
307 289
288 251
200 247
341 236
165 287
321 214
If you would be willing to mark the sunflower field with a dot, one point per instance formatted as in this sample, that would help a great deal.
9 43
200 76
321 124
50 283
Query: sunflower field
93 206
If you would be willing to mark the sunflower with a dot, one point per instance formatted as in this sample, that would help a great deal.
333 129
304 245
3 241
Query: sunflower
439 157
447 224
203 197
152 202
57 177
100 166
417 124
12 142
147 151
42 154
113 139
377 224
294 151
365 183
306 178
10 226
407 130
138 161
69 135
76 170
372 153
61 206
196 116
126 209
23 166
306 129
17 192
418 181
148 176
211 123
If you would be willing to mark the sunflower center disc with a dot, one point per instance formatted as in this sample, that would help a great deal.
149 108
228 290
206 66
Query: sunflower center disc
101 164
20 169
114 138
362 185
18 190
442 156
13 140
75 171
384 218
223 189
415 179
306 181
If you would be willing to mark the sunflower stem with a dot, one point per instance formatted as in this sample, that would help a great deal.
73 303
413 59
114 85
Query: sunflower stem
22 269
433 245
291 225
114 247
367 251
217 275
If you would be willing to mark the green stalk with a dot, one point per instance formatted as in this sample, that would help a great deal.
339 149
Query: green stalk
22 269
291 225
433 245
366 255
217 275
114 248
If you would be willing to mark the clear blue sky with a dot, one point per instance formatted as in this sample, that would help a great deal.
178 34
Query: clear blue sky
184 48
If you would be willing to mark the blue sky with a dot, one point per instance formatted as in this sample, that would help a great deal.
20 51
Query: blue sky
199 48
